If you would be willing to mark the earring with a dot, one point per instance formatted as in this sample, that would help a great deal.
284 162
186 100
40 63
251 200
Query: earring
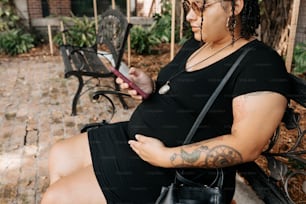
227 22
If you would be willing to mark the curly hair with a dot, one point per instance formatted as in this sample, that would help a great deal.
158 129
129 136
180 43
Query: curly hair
249 17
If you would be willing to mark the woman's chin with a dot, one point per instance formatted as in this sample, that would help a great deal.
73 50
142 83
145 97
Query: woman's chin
197 37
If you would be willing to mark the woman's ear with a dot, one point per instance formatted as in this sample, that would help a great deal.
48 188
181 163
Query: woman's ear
227 5
239 4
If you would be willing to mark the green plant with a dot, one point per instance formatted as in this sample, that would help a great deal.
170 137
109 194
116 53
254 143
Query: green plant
142 39
79 32
8 18
162 23
15 41
299 57
161 27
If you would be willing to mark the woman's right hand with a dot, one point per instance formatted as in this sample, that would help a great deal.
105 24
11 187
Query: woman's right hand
139 78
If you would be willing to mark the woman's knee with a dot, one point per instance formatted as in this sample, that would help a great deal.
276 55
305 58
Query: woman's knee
57 165
48 197
78 187
58 152
53 195
74 148
66 156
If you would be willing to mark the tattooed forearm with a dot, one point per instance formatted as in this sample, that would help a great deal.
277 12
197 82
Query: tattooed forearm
185 159
205 157
222 156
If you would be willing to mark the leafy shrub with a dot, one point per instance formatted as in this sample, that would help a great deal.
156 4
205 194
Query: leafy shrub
13 36
162 27
162 23
142 39
299 58
15 42
8 18
79 32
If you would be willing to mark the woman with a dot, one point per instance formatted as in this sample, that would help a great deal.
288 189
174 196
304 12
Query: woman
128 162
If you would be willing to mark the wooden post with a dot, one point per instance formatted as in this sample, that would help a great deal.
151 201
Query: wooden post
113 4
172 30
292 34
50 39
182 18
63 34
151 9
157 6
95 14
128 11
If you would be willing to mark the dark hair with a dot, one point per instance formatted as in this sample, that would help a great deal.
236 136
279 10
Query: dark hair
249 17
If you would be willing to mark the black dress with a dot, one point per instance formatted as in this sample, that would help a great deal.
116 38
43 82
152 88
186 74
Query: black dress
124 177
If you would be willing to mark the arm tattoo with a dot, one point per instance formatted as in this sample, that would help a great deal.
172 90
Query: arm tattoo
189 158
222 156
216 157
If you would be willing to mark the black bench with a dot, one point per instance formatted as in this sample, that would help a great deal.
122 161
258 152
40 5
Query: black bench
271 182
86 63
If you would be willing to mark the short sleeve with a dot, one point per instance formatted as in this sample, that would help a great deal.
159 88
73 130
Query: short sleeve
262 70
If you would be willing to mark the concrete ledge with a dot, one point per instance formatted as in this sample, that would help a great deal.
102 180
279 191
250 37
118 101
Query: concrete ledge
40 22
141 20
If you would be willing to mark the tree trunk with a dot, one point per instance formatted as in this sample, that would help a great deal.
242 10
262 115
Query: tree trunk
275 23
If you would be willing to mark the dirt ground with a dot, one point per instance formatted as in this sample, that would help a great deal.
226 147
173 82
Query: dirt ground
151 65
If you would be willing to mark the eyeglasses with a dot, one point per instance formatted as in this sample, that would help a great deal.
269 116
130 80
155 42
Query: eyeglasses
197 6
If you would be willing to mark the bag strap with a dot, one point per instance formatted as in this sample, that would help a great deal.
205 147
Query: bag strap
212 98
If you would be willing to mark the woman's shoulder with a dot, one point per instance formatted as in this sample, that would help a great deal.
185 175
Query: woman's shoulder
263 69
262 55
262 50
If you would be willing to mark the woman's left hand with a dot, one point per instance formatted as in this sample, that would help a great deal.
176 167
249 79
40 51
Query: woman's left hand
150 150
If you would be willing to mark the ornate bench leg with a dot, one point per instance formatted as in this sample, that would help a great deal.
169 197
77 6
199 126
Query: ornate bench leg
264 186
77 95
121 99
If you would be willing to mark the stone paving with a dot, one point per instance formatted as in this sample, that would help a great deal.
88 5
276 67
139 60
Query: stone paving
35 108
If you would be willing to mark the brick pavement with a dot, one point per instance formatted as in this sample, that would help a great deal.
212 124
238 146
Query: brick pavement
35 109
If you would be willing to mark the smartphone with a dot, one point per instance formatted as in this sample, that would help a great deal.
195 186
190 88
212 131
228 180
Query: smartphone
129 82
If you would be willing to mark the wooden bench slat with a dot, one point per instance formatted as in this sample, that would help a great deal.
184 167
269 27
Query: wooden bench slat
94 63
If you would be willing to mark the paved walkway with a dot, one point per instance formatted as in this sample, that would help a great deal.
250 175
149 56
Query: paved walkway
35 109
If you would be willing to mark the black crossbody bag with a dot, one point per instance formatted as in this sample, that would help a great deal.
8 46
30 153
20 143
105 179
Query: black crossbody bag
185 191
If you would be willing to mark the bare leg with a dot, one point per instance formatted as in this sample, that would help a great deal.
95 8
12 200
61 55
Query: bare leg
78 187
68 156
